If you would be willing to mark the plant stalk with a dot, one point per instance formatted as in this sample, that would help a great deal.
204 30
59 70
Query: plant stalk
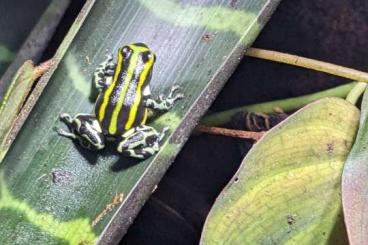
312 64
356 92
290 104
230 132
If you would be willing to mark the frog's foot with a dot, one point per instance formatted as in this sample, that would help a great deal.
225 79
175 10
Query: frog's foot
84 128
173 95
165 103
141 142
102 76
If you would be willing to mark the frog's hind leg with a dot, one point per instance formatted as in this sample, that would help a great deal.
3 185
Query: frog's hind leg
84 128
141 142
104 72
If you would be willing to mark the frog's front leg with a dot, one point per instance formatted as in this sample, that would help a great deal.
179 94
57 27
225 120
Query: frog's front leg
162 103
141 142
84 128
104 72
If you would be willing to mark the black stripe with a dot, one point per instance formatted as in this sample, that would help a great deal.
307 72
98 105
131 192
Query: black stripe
129 99
113 99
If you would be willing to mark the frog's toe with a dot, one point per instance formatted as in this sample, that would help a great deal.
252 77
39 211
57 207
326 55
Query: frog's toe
161 97
65 117
109 56
163 134
174 89
165 129
64 133
178 97
175 94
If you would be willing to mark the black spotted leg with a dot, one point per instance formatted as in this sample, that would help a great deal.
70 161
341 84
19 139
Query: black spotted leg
141 142
84 128
162 103
104 72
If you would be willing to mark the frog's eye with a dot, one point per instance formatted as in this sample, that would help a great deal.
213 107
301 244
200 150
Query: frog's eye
125 51
146 57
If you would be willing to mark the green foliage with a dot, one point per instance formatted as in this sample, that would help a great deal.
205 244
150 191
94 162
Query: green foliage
5 54
287 190
54 183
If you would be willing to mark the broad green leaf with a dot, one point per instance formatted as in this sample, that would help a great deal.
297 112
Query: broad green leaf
287 190
50 186
355 185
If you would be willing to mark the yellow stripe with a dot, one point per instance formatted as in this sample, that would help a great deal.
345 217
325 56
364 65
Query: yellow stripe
145 117
131 68
138 94
110 88
138 48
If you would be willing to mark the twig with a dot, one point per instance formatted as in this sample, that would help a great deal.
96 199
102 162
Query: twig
230 132
116 200
317 65
42 68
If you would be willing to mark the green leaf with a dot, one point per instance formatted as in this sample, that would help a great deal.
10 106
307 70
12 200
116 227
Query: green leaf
12 102
287 190
6 55
55 185
355 185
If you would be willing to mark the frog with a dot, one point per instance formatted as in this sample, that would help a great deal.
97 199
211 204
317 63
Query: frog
123 105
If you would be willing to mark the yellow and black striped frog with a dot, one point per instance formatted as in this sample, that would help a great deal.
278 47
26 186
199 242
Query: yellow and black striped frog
121 108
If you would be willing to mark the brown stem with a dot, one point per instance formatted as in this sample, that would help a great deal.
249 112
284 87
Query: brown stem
230 132
308 63
42 68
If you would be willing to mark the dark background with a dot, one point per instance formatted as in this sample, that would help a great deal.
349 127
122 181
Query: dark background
17 21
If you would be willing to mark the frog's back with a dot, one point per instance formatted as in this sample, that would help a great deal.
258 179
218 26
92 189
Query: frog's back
120 106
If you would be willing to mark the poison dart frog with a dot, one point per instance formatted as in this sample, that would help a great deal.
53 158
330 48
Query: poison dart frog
121 108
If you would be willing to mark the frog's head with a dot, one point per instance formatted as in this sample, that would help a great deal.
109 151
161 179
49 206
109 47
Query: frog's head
141 50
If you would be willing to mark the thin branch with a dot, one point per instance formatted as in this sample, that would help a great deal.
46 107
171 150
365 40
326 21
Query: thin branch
230 132
317 65
42 68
